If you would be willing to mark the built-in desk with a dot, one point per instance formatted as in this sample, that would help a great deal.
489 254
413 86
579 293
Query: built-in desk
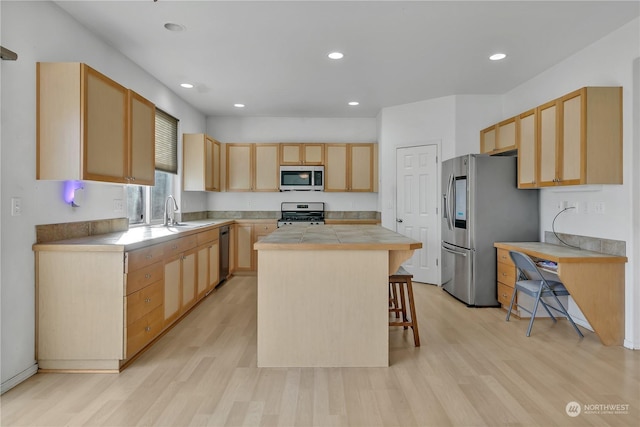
595 281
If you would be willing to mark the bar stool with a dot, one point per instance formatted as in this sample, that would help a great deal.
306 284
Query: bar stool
398 303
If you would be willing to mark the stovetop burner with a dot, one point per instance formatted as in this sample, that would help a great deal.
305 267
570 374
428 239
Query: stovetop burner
301 213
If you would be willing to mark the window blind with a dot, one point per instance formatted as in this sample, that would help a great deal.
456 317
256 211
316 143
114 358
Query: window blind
166 142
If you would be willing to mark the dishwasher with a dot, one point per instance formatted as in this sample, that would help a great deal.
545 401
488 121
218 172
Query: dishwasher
224 253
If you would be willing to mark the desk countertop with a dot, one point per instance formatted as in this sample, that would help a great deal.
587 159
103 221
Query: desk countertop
560 254
336 237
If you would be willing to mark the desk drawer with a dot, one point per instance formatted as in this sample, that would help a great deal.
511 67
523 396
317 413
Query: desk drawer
145 276
503 256
504 294
506 274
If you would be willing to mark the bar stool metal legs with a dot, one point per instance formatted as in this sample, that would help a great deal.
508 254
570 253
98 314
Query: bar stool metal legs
401 296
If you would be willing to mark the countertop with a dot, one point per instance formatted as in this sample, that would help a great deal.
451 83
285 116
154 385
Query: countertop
134 238
332 237
561 254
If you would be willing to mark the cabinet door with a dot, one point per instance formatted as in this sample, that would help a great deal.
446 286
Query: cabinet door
527 153
361 167
244 250
105 154
291 154
142 140
336 167
488 139
239 170
214 264
172 291
548 143
208 164
313 154
188 278
216 166
266 167
506 135
572 155
203 271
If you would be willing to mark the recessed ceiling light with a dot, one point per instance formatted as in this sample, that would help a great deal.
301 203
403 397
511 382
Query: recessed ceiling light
336 55
186 85
354 103
238 105
497 56
171 26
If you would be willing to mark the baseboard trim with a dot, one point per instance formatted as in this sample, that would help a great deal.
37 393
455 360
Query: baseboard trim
17 379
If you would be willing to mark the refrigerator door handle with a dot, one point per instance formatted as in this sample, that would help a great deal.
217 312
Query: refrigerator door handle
447 199
453 252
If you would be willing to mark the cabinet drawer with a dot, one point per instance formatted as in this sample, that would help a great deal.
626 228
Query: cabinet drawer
142 257
264 229
138 279
504 294
208 236
145 329
503 256
179 245
506 274
142 302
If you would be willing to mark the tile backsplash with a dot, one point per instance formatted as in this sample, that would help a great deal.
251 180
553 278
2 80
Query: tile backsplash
596 244
70 230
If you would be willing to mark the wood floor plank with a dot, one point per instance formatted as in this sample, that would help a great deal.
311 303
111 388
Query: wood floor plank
473 368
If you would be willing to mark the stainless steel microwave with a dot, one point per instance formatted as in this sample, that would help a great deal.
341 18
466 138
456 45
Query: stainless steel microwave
301 178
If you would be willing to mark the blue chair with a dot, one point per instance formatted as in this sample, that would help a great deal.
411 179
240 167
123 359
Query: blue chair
531 282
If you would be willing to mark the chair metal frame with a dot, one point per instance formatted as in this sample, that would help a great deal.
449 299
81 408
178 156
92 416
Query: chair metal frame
528 278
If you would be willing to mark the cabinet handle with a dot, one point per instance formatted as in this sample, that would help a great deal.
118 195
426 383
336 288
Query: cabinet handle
149 256
174 247
147 300
147 329
147 276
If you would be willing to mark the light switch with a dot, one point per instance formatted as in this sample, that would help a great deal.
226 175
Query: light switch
16 206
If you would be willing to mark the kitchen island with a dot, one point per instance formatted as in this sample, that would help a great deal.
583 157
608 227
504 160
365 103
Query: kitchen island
323 294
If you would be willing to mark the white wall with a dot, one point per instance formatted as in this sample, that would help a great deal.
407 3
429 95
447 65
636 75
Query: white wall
291 129
452 122
608 62
40 31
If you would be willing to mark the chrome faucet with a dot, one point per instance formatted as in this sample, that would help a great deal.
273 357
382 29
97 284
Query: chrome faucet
170 219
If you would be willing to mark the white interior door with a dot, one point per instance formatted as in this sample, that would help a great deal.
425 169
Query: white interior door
417 213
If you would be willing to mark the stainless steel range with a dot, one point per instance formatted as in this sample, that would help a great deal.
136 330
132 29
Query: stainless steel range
302 213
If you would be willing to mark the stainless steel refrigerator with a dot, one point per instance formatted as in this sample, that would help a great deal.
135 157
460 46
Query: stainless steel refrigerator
481 204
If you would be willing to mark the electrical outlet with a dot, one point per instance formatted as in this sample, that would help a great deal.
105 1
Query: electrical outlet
16 206
598 208
118 206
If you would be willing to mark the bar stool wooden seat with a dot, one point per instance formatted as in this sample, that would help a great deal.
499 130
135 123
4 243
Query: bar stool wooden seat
401 294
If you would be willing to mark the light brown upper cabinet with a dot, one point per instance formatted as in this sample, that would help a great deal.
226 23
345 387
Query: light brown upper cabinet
252 167
201 162
527 153
301 154
580 138
349 167
89 127
499 138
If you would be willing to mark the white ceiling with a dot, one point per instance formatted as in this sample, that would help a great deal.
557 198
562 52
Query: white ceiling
272 55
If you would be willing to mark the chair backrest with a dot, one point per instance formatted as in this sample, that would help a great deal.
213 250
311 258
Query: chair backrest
526 266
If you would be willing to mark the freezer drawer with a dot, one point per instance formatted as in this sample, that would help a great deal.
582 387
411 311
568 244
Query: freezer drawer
458 263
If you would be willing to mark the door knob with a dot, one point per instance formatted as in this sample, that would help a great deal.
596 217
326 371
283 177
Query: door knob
398 219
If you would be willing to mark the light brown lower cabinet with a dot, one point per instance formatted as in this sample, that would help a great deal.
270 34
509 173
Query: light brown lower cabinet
506 280
247 233
98 306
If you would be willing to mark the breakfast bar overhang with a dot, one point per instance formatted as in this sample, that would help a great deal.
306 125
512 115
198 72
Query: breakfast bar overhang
323 294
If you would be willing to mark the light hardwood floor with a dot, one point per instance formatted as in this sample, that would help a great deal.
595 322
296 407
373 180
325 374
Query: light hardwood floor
473 369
